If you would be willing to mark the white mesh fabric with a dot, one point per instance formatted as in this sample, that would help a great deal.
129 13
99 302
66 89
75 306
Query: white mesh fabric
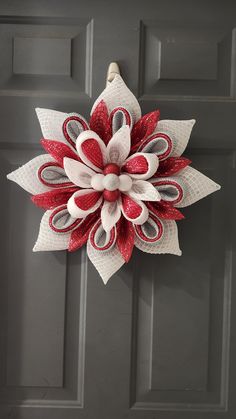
27 175
143 191
49 239
196 186
117 94
119 146
178 131
106 263
169 243
51 123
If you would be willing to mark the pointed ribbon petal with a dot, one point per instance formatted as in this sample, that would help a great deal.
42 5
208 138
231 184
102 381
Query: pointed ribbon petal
125 238
143 128
59 150
100 122
196 186
165 210
78 173
171 166
144 191
27 175
54 198
119 146
117 94
110 214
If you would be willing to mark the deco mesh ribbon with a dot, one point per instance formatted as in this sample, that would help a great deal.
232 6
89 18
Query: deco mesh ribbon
116 182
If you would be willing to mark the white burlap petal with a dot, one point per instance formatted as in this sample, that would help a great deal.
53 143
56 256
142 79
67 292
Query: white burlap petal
117 94
196 186
178 131
110 214
49 239
27 175
144 191
107 263
169 243
119 146
78 173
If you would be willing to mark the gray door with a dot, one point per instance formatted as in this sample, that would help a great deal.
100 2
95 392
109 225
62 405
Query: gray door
159 340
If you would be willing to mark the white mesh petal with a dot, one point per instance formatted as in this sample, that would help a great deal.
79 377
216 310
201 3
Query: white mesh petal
196 186
178 131
110 214
51 123
169 243
78 173
106 263
144 191
27 175
48 239
117 94
119 146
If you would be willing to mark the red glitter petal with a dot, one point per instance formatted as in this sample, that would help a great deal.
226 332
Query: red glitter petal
136 165
54 198
125 238
92 151
171 166
143 128
87 201
131 208
80 235
165 210
100 122
58 150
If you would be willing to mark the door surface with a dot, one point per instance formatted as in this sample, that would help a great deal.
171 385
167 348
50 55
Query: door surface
158 341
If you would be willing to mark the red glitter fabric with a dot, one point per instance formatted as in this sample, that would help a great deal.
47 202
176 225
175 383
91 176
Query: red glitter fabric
136 165
130 207
125 238
54 198
66 133
100 122
143 128
87 201
58 150
80 235
171 166
93 152
165 210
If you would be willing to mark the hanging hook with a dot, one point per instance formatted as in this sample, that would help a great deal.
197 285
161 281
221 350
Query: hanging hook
113 69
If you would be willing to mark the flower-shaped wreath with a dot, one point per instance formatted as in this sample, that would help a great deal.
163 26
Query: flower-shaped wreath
115 183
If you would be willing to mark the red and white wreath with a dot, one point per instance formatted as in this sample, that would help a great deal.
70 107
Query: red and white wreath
113 183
